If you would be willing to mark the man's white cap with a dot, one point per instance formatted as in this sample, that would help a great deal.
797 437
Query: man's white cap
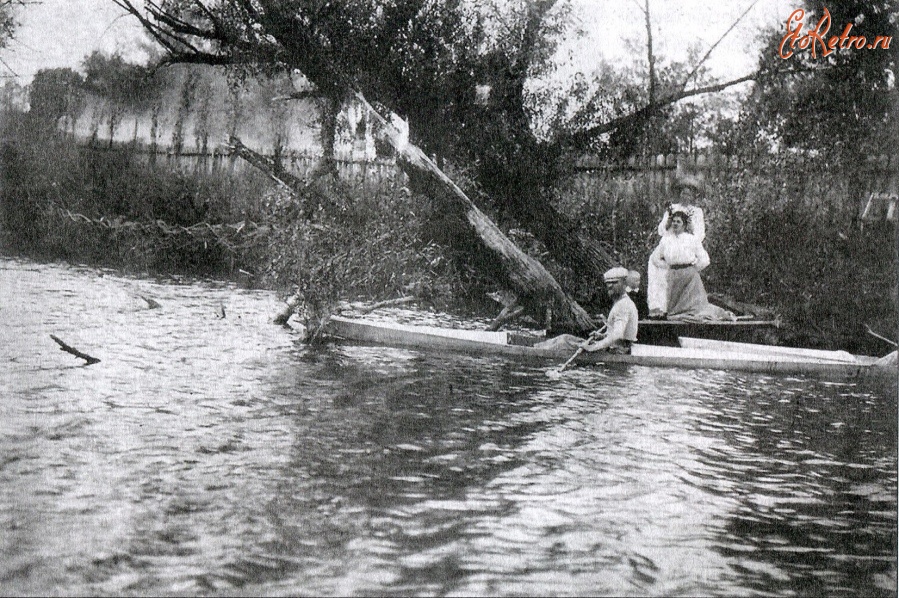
615 274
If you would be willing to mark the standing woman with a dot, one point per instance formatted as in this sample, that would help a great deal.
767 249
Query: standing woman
688 189
683 256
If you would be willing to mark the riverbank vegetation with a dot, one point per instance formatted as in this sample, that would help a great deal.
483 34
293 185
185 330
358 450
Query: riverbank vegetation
783 206
778 240
114 207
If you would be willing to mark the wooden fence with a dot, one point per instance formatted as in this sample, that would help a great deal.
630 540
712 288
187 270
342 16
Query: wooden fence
297 163
594 180
881 171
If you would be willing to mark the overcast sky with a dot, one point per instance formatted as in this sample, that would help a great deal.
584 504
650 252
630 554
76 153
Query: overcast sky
60 33
678 24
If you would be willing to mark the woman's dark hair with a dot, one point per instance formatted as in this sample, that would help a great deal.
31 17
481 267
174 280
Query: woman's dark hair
683 216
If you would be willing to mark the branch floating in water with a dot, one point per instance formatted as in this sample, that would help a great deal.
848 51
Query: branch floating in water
64 347
152 304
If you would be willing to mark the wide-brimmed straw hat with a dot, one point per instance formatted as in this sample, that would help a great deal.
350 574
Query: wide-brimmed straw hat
683 181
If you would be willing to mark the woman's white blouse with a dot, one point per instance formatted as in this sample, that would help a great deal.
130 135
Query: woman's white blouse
678 250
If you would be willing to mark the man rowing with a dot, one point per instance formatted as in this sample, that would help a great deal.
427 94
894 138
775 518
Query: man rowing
620 327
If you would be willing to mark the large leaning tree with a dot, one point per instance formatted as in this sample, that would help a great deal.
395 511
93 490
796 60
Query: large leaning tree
458 72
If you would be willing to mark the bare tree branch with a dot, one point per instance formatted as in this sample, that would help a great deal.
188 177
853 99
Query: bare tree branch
650 57
9 68
174 44
179 25
585 136
72 350
715 45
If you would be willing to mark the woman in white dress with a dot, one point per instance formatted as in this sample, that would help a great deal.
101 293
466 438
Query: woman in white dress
689 189
683 257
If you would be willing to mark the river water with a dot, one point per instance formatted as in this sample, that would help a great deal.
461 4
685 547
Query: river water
219 455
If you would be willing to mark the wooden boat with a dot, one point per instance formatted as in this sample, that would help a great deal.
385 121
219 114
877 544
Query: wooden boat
692 354
667 332
751 323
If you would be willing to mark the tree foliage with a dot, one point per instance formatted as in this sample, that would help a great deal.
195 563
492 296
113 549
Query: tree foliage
458 71
9 20
55 93
461 73
113 78
842 105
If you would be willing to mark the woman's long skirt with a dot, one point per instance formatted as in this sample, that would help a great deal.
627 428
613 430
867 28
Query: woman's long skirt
688 300
686 293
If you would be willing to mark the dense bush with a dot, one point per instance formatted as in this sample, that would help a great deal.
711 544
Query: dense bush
780 234
785 235
366 246
92 204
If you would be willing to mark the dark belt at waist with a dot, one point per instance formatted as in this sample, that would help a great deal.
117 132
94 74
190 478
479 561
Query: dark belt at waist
679 266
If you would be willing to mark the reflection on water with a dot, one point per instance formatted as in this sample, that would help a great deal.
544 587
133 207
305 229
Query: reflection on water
210 454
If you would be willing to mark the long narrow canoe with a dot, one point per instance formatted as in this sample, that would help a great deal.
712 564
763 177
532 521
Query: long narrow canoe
734 356
730 347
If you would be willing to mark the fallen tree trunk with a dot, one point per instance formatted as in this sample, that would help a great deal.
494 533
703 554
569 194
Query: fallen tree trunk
527 275
563 240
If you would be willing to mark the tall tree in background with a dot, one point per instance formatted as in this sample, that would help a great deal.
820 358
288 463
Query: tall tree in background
811 136
459 72
843 105
121 84
53 94
8 22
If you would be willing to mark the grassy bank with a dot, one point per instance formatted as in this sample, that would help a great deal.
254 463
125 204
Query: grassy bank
116 208
774 239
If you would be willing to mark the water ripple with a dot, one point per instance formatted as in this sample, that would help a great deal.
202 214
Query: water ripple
208 455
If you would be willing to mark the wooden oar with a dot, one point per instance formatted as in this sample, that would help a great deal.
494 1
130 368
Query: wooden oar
883 338
556 373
